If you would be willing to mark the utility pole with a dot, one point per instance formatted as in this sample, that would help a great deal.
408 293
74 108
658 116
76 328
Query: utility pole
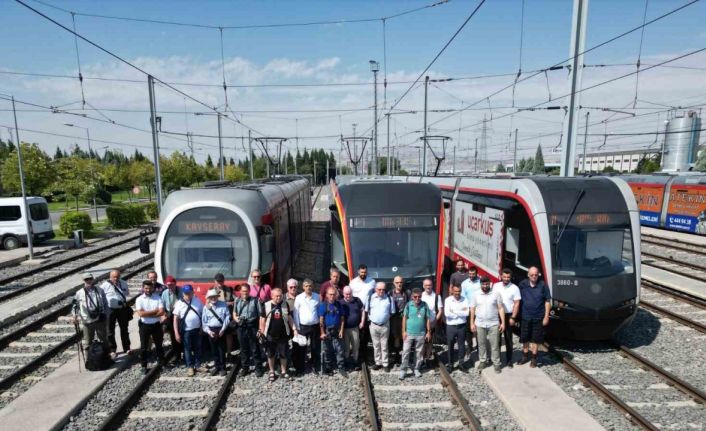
514 155
155 141
453 166
578 42
252 171
220 147
28 224
375 68
585 139
475 158
327 179
426 93
389 164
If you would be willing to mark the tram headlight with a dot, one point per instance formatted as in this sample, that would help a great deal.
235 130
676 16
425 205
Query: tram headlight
559 304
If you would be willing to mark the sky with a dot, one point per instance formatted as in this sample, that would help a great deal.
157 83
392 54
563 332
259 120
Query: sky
270 66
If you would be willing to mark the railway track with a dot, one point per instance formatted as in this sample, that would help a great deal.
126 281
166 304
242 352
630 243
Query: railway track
157 401
439 402
18 284
674 244
673 304
316 198
639 393
41 342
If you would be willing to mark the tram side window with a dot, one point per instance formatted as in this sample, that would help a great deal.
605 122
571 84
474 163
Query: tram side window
338 254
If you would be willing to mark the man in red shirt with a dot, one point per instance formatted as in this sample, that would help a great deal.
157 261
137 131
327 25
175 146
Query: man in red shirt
334 281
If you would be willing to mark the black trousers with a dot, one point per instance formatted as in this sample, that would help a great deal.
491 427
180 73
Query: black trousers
507 335
250 352
122 317
147 331
456 334
177 347
364 340
312 332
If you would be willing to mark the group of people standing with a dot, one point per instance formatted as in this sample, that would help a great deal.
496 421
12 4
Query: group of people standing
294 332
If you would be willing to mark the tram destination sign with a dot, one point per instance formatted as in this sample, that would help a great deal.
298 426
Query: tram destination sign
393 222
201 226
583 219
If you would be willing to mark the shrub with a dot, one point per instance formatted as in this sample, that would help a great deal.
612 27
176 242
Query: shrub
151 210
71 221
125 216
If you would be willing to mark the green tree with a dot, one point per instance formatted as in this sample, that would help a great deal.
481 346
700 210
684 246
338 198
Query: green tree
38 170
178 170
74 177
235 174
141 173
538 165
701 161
647 165
500 168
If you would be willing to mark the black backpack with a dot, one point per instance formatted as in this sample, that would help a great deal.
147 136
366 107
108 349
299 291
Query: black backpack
97 357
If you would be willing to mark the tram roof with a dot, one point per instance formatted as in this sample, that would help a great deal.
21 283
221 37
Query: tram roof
367 197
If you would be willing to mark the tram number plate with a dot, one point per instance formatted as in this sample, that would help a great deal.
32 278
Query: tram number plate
560 282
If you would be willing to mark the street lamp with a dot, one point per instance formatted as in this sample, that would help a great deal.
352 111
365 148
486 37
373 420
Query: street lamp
90 156
220 141
375 68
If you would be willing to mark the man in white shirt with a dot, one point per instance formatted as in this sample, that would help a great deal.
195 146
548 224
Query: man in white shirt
456 311
436 306
116 291
362 287
306 321
511 297
379 308
487 321
150 308
187 328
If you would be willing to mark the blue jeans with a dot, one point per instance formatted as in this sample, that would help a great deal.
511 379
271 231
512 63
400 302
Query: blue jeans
191 339
333 344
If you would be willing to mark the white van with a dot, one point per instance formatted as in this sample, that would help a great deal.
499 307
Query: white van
13 228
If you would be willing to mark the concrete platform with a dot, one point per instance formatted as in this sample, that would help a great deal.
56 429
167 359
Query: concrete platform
51 401
536 402
50 293
321 212
675 281
681 236
18 255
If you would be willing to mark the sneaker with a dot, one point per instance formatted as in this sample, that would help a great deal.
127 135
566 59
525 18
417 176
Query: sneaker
259 372
222 373
402 374
214 371
497 369
243 372
533 363
388 368
376 367
417 373
480 367
343 373
190 372
524 359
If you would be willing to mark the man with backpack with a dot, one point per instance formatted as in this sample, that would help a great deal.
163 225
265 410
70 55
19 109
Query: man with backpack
116 292
379 309
214 322
436 305
246 315
150 308
91 307
416 330
332 319
187 328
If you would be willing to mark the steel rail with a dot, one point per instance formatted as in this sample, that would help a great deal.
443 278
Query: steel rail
35 363
58 262
316 199
210 421
650 239
674 316
697 394
601 390
373 418
450 384
676 294
53 278
676 262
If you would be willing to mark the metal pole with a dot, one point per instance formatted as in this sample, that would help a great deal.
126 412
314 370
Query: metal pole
426 91
93 177
252 171
475 158
220 147
389 164
155 141
268 166
514 155
28 224
578 40
453 167
374 166
585 139
327 179
419 162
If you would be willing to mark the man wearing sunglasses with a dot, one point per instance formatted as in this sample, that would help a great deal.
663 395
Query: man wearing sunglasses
258 289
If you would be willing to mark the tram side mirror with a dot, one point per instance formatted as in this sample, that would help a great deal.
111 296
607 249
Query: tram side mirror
268 243
144 244
332 207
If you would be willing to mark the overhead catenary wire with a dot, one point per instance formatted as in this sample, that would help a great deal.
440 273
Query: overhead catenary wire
639 54
78 61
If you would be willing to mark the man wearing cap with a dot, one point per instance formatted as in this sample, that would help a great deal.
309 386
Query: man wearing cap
187 328
227 295
150 308
170 295
116 291
246 315
91 306
214 322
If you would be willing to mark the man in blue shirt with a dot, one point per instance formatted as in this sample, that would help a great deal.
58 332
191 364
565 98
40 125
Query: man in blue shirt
536 304
332 319
379 308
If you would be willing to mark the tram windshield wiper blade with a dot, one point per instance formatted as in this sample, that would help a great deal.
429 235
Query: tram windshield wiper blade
580 195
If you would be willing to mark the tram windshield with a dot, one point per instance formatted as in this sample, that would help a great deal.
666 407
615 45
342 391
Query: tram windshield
594 251
202 242
391 246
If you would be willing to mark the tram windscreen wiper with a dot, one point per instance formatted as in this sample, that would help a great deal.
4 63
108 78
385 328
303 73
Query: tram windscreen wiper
580 195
